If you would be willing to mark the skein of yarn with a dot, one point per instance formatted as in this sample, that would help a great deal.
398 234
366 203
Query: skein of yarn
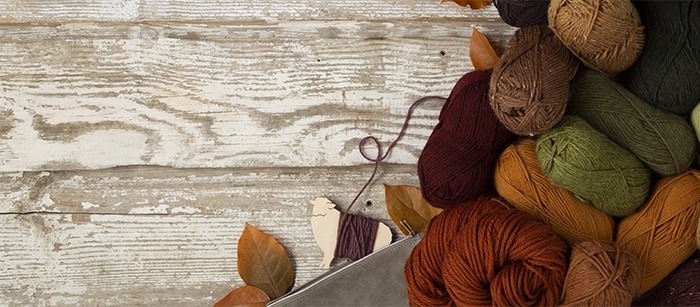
522 13
486 253
457 161
520 181
662 233
607 35
530 83
667 73
665 142
601 274
584 161
680 288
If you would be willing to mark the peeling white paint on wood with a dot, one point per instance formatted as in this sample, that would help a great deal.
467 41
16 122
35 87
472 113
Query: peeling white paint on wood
159 235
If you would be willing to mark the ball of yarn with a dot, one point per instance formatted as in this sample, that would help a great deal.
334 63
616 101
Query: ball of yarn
695 119
584 161
667 73
680 288
607 35
601 274
665 142
520 181
522 13
530 83
662 233
486 253
457 162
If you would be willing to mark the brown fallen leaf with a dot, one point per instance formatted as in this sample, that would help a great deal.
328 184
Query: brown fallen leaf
481 52
474 4
407 203
246 296
263 263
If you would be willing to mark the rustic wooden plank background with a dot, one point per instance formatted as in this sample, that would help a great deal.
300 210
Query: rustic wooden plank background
137 137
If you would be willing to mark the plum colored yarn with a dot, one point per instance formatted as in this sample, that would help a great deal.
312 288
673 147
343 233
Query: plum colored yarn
520 181
586 162
665 142
530 83
601 274
457 161
607 35
680 288
486 253
522 13
667 74
662 233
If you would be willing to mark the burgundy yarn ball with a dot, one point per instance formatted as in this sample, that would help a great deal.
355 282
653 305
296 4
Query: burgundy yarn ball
680 288
458 160
522 13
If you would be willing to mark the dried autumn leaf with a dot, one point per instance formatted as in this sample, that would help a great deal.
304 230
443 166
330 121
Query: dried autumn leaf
474 4
407 203
246 296
481 52
263 263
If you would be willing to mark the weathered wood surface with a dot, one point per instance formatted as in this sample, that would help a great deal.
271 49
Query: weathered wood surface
139 236
216 113
228 10
87 96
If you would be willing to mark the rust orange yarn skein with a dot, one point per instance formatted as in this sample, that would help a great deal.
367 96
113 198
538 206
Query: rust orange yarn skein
662 233
486 253
520 181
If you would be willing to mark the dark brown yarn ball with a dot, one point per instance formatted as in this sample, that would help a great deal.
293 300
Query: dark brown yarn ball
680 288
530 83
522 13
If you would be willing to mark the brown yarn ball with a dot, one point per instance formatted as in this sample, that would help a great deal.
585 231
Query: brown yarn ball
486 253
530 83
662 233
607 35
601 274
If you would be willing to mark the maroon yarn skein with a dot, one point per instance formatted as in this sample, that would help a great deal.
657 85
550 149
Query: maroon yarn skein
458 160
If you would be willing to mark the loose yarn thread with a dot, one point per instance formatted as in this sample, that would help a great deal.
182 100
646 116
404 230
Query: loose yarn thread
667 73
662 233
522 13
530 84
606 35
486 253
519 180
357 234
601 274
680 288
665 142
584 161
457 161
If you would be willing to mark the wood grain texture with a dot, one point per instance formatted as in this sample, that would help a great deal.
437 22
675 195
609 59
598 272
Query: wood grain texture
97 95
232 10
144 236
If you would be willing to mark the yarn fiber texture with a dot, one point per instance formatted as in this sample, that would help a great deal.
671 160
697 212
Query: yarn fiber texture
457 162
662 233
486 253
680 288
665 142
695 119
586 162
607 35
667 74
520 181
522 13
601 274
530 83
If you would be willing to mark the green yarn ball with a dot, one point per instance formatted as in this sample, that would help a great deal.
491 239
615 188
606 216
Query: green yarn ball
695 119
664 141
586 162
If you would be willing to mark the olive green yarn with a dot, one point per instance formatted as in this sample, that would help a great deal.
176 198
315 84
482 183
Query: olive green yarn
664 141
695 119
586 162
